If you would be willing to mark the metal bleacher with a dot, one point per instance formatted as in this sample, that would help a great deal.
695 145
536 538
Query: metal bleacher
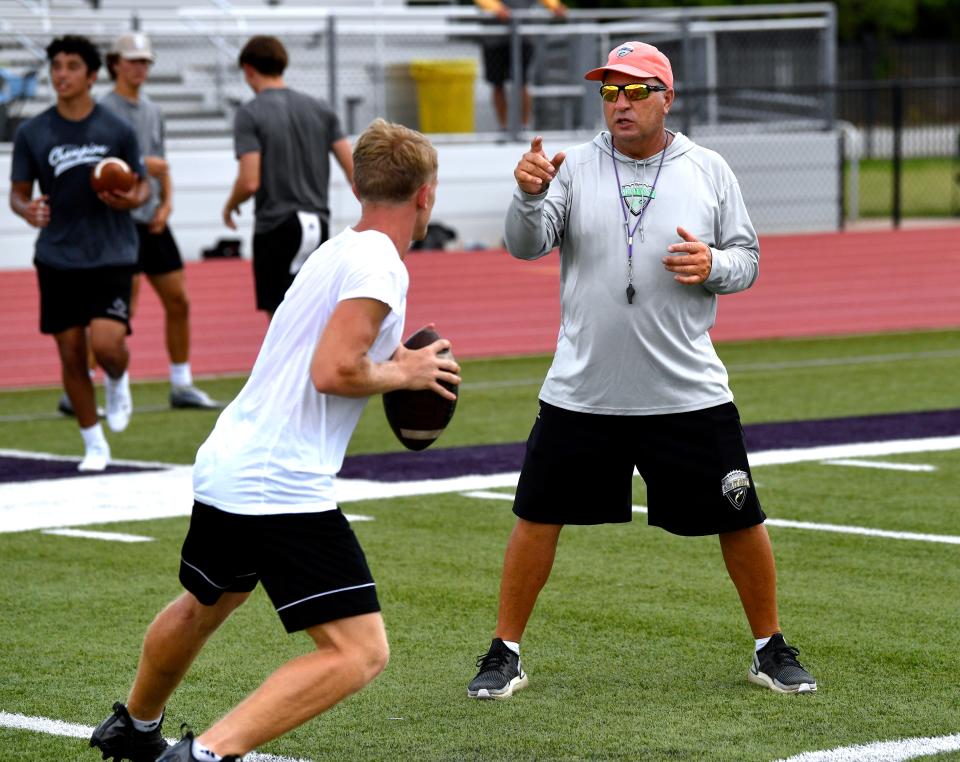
194 80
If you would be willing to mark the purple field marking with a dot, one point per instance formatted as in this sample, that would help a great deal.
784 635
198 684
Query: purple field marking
28 469
868 428
502 458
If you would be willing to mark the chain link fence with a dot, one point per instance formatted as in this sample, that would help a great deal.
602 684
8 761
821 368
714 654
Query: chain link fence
757 83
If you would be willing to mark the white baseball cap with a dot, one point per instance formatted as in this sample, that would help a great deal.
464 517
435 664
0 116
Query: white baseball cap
133 47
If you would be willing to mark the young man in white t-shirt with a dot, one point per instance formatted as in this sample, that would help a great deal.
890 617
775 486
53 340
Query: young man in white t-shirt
265 509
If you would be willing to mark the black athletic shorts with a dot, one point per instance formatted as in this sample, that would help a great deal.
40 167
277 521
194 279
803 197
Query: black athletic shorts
311 564
496 61
579 470
159 253
273 252
71 298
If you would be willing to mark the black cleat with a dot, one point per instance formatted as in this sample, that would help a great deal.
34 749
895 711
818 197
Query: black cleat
500 674
191 397
182 751
117 739
775 666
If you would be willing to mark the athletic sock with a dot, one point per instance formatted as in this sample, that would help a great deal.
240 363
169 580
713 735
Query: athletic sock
202 752
761 642
116 383
513 646
93 436
180 374
145 726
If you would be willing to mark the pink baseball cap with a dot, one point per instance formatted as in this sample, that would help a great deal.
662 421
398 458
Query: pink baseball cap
637 59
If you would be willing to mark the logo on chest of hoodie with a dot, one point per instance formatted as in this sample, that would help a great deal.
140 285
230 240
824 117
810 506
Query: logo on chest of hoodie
637 196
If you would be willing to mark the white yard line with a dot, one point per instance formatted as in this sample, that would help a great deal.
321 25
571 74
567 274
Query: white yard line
866 531
71 730
881 464
883 751
87 534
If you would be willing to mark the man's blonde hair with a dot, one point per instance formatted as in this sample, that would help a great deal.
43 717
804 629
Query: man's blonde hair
390 162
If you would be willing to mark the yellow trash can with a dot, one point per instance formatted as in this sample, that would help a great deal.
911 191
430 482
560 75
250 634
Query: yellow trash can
445 94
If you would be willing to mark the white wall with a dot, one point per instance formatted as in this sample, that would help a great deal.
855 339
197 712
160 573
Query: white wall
789 182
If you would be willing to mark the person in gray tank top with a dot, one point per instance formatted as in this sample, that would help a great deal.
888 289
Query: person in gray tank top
159 257
283 140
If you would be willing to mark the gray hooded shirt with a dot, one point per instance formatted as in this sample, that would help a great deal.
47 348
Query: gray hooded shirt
653 356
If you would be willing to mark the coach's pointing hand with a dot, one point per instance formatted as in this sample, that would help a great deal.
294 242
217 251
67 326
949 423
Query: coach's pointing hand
535 170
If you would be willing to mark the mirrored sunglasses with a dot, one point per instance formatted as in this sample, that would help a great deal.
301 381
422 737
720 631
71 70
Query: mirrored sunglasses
636 91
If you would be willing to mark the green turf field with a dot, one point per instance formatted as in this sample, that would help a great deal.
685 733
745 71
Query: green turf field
638 648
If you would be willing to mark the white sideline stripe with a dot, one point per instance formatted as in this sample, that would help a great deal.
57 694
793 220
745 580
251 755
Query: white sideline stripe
883 464
91 535
839 528
72 730
882 751
27 506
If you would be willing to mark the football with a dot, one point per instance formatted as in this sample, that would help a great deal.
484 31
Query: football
112 174
418 417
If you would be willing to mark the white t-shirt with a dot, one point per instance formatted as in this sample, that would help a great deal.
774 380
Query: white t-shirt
277 447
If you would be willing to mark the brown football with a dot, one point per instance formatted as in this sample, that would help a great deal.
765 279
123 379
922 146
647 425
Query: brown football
112 174
419 417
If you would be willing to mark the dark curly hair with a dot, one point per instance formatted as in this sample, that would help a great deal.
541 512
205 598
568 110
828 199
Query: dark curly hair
74 43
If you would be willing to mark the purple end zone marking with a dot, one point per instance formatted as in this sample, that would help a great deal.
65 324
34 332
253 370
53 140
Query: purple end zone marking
501 458
497 459
435 464
868 428
28 469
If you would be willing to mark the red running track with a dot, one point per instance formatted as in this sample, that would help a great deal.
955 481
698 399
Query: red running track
490 304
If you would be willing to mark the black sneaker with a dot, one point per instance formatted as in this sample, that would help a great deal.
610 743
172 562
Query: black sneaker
118 739
500 674
775 666
182 751
65 406
192 397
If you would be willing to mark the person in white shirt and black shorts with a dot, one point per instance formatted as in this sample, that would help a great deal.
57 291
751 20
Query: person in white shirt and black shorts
265 508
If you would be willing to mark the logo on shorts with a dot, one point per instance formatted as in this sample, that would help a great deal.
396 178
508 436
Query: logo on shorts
735 486
624 51
118 309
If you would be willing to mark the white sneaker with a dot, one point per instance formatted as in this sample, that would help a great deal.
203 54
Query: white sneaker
96 458
119 402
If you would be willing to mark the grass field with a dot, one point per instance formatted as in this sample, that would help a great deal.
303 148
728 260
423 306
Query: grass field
930 188
638 648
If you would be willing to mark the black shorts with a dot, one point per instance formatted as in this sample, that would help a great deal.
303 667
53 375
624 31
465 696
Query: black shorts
311 564
579 470
159 253
496 61
72 298
273 252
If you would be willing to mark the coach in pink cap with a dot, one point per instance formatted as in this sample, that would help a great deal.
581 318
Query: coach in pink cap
651 229
636 59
